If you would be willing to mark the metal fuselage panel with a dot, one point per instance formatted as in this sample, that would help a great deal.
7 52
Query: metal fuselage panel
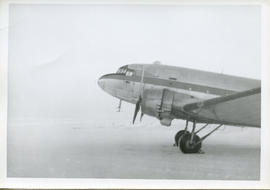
195 83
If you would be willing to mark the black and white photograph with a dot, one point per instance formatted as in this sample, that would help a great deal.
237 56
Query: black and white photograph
135 91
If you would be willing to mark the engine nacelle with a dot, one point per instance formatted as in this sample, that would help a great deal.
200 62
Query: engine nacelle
158 103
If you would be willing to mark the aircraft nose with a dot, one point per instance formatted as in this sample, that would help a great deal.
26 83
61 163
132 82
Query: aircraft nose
108 84
101 82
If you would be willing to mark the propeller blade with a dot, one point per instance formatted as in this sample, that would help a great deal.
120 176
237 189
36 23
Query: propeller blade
137 108
136 111
141 116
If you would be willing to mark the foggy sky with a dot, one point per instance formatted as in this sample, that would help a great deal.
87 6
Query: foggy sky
58 52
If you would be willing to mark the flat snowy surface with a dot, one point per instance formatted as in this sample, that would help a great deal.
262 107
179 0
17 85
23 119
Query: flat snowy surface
140 151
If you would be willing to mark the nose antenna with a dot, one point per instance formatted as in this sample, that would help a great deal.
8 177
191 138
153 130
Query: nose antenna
119 106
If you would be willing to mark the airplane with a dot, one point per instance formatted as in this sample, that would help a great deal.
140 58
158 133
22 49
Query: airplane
170 92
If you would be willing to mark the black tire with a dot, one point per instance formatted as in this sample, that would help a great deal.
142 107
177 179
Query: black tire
186 146
178 136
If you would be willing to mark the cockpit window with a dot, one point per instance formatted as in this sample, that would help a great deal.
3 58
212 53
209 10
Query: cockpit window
125 71
130 73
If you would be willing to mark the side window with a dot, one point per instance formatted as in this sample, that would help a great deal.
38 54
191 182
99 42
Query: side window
129 73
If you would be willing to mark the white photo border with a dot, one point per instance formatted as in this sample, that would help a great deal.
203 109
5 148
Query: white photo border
264 181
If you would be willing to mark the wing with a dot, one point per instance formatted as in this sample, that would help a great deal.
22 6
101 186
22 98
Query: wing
243 108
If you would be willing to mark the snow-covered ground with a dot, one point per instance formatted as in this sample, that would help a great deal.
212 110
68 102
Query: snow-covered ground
122 150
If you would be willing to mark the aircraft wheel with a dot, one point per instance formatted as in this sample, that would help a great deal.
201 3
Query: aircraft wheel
178 136
186 146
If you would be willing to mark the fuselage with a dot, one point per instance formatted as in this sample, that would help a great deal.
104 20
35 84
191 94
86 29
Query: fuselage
168 93
129 82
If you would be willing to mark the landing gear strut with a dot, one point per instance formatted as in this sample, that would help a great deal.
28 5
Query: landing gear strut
191 142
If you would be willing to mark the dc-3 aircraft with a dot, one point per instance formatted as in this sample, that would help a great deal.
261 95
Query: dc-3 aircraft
169 92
